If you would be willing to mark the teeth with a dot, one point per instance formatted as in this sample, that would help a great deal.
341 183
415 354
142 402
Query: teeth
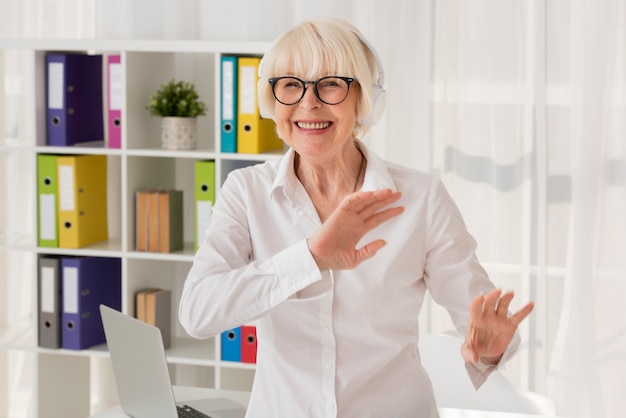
317 125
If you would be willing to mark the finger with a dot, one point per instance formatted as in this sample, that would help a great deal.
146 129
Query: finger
504 302
369 250
367 203
383 216
520 315
380 199
491 300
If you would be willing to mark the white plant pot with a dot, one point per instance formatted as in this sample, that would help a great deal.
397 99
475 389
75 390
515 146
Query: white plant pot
179 133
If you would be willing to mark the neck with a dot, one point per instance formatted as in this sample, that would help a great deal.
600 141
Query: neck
332 178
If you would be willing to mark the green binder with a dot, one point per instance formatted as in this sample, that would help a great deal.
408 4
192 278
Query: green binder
47 196
204 198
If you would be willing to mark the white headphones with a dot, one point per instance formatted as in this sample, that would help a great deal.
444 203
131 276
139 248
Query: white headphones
378 91
380 95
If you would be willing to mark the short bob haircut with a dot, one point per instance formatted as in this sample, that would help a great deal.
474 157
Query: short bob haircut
317 48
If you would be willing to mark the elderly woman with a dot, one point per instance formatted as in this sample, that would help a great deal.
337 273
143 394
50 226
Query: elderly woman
332 250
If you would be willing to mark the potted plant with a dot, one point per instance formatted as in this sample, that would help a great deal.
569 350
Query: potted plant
178 104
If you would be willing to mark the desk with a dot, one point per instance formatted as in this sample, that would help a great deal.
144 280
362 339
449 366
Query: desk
189 393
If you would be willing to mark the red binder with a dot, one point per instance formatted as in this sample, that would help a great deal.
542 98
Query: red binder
248 344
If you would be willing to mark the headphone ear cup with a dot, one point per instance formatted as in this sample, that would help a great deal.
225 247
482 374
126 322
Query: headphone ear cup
378 106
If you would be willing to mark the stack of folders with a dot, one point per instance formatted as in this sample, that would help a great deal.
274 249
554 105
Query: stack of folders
243 130
154 306
72 200
239 344
71 289
159 220
76 101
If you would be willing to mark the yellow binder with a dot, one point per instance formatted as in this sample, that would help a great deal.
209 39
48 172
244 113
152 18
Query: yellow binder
254 133
82 203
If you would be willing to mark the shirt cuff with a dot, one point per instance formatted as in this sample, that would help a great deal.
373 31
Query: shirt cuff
295 268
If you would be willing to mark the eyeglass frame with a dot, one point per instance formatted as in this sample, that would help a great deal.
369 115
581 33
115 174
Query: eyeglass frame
349 80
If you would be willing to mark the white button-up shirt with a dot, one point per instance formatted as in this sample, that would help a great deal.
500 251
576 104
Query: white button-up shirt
332 343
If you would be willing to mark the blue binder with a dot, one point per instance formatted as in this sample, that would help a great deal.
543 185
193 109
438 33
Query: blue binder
87 283
228 107
231 345
74 99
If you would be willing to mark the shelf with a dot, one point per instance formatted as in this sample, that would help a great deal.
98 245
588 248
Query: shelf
139 163
110 248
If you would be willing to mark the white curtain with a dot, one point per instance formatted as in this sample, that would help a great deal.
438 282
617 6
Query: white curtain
519 105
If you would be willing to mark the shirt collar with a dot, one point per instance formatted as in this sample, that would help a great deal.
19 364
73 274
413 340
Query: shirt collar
376 173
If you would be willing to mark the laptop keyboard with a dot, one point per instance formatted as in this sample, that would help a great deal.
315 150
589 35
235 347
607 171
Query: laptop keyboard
186 411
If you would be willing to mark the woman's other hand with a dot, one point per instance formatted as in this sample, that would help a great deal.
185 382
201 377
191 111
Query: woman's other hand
490 328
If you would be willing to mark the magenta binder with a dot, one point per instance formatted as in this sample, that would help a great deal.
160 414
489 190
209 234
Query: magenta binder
115 85
88 282
74 99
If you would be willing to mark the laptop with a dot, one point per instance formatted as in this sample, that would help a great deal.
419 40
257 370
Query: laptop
142 377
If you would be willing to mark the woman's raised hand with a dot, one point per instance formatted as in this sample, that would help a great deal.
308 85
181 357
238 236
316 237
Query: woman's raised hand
333 246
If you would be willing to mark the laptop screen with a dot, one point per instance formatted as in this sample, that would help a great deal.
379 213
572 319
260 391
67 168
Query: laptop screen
139 365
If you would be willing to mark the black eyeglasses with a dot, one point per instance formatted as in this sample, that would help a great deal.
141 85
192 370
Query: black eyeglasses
331 90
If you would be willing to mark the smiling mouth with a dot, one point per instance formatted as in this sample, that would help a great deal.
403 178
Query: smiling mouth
313 125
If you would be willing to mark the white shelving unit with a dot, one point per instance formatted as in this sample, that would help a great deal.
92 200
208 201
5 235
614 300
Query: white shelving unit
67 383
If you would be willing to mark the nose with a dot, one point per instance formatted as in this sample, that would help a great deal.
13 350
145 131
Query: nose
309 99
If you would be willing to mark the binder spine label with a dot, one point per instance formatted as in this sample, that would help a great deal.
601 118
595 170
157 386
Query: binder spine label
48 216
48 290
115 86
247 84
66 187
70 290
203 210
55 85
228 95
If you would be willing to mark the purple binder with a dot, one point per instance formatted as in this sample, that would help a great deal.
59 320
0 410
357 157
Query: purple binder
74 99
87 283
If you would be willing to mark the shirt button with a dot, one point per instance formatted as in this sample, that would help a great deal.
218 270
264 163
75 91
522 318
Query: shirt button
326 328
329 366
332 407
